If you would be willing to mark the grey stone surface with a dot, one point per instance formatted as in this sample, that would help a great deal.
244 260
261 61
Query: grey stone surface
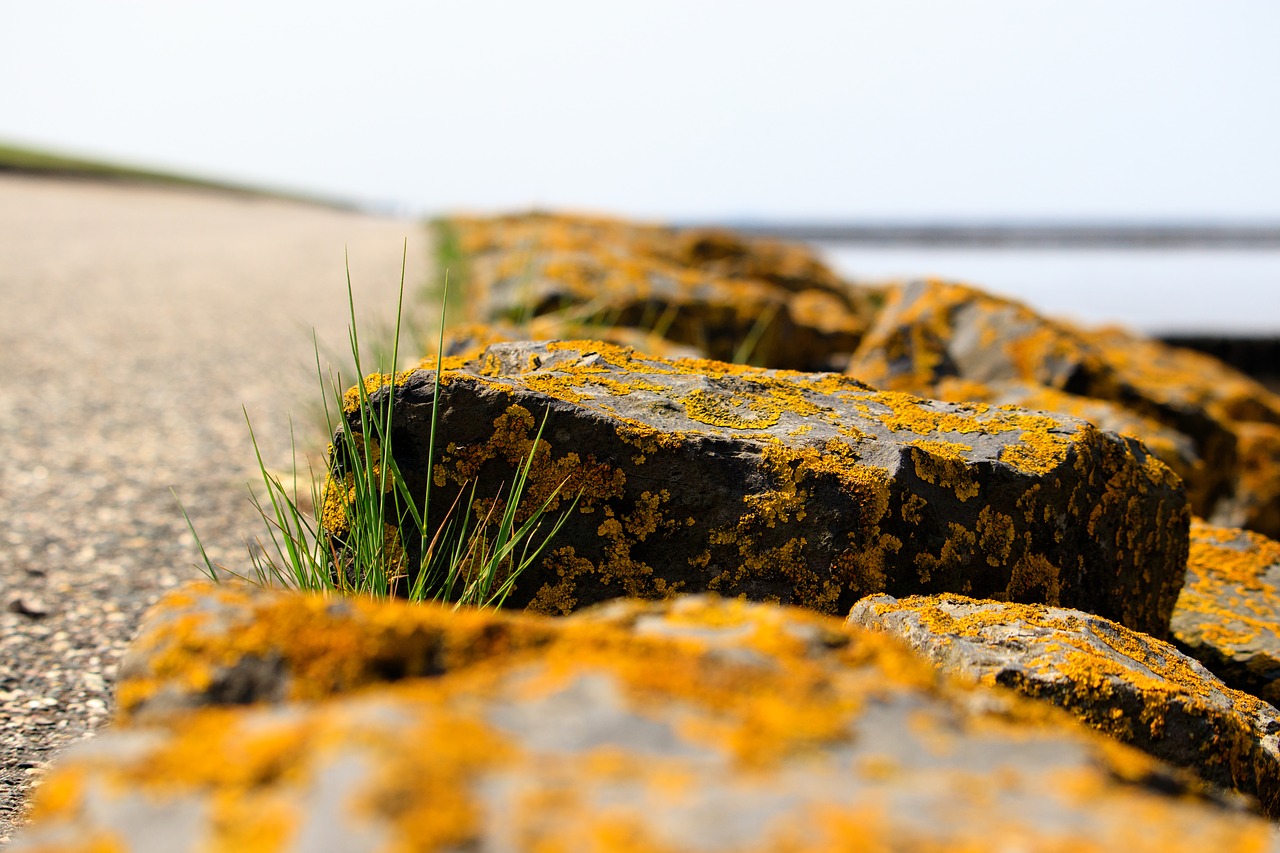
1136 688
627 726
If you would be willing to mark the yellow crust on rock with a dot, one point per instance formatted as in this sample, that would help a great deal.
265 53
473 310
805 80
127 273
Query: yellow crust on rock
784 702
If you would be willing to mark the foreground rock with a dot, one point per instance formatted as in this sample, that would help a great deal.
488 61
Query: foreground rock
931 333
1133 687
807 489
731 298
693 724
1228 614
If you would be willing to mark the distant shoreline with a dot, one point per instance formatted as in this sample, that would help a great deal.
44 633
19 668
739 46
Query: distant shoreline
1046 235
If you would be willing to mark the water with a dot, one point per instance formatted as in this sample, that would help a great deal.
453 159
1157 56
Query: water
1156 291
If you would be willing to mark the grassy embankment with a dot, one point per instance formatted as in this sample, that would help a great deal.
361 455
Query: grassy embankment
16 159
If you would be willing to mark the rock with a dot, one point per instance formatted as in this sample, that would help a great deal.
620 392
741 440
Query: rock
692 724
1131 686
930 331
733 299
1170 446
806 489
1228 614
1255 503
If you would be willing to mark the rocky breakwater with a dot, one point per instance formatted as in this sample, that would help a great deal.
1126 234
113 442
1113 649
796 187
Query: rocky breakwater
807 489
1013 492
689 724
711 291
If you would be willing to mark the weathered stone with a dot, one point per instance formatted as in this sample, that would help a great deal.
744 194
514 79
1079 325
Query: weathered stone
1228 614
692 724
733 299
931 330
1170 446
1255 503
1133 687
803 488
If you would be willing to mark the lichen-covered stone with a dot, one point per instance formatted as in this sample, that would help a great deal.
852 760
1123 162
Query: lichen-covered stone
1133 687
1170 446
731 298
932 331
1228 614
692 724
1255 503
807 489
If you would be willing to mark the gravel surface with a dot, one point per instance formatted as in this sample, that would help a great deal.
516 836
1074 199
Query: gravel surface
135 324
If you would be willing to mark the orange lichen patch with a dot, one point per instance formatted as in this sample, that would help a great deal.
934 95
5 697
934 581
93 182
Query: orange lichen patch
558 599
939 463
1129 685
996 534
422 788
735 411
60 794
551 479
1034 578
1228 613
635 578
324 653
372 384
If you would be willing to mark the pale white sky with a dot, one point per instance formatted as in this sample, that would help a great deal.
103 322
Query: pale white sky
675 109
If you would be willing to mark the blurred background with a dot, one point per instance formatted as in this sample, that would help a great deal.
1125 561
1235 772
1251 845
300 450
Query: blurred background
1104 161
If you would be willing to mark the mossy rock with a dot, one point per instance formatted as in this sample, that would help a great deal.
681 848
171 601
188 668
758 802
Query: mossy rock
1228 614
691 724
933 331
1131 686
808 489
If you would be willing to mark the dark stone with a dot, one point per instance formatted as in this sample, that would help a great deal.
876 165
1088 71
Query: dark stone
807 489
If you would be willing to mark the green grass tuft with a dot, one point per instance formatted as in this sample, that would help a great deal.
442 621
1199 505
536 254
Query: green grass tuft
461 562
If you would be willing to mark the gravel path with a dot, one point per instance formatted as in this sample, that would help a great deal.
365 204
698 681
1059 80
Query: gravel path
134 324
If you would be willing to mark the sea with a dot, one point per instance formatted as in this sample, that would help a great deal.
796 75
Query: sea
1157 291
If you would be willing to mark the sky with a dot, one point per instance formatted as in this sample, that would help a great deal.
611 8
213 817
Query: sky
808 110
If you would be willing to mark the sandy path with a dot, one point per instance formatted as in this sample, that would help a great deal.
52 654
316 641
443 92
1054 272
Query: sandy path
134 324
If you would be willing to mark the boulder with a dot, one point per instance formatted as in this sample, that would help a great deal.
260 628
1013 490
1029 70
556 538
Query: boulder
1131 686
734 299
1228 614
806 489
1170 446
931 331
690 724
1255 502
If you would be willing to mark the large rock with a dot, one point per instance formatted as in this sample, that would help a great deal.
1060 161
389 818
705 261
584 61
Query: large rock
1170 446
731 298
807 489
1255 503
1228 614
932 331
693 724
1129 685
